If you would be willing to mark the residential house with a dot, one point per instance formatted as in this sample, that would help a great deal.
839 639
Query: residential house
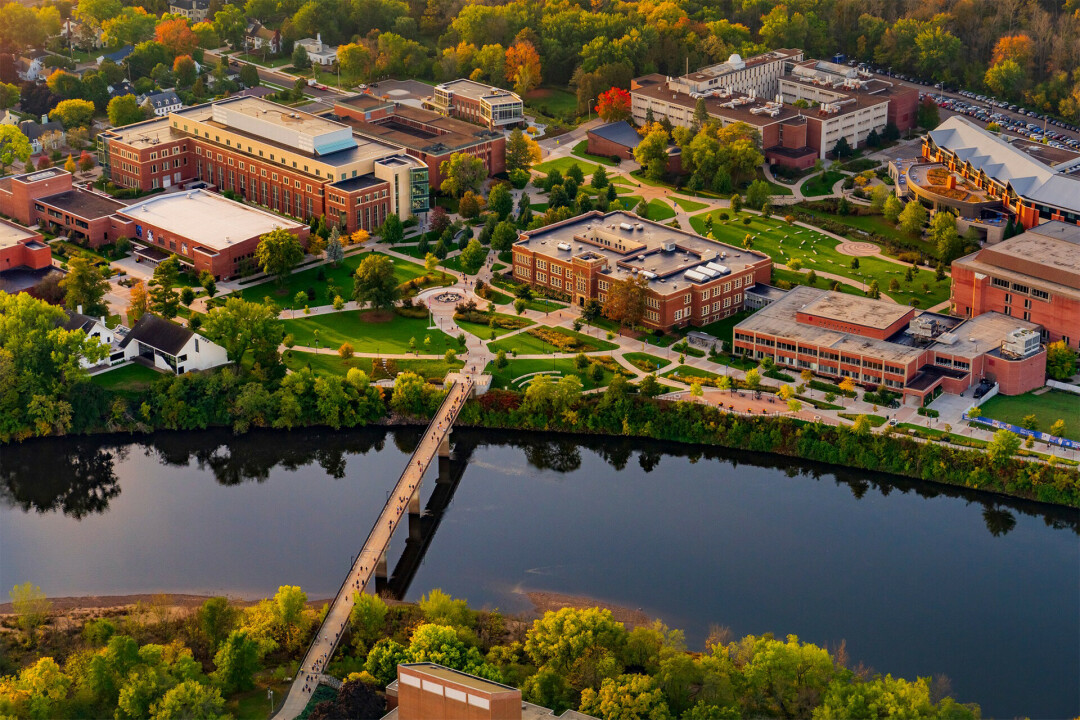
80 34
43 137
259 37
31 65
117 56
193 10
161 103
124 87
94 327
317 52
9 118
169 346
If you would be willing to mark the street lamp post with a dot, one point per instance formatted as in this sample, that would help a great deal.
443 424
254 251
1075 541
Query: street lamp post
589 117
270 696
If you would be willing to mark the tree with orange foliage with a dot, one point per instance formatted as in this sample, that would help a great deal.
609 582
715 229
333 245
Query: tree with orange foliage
523 66
1013 47
176 36
140 302
613 105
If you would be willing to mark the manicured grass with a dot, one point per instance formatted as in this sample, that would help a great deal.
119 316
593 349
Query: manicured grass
933 433
497 297
689 371
390 337
645 362
799 278
821 184
553 102
270 61
484 331
774 188
510 377
875 420
129 378
581 151
724 329
867 223
342 276
254 704
497 267
628 202
565 163
817 251
528 344
1047 409
688 205
544 305
329 363
660 210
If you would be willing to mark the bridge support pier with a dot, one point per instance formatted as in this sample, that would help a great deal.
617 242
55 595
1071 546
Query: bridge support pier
444 446
380 574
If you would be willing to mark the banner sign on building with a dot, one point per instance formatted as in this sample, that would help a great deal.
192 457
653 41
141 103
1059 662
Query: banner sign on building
1024 432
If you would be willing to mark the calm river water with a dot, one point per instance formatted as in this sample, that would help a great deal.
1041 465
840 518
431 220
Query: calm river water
918 580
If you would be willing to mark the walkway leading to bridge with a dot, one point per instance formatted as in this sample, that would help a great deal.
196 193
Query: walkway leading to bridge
372 557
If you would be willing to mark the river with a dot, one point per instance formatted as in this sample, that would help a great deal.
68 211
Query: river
916 579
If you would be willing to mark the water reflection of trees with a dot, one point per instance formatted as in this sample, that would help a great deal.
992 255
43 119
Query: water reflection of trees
236 459
76 476
563 454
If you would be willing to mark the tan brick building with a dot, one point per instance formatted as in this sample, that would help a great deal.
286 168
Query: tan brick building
477 103
286 160
691 280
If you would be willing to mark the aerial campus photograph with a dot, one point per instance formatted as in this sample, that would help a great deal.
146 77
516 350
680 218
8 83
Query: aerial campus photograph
525 359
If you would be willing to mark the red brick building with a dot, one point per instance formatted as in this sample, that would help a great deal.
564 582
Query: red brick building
22 248
1034 276
619 139
477 103
204 229
1033 190
49 199
428 136
286 160
691 280
876 343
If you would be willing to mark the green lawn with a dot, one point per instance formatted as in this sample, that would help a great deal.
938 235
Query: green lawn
581 150
774 188
689 371
565 163
553 102
660 210
817 251
875 420
129 378
270 61
645 362
330 363
1047 408
687 204
867 223
543 305
724 329
342 276
497 297
799 278
935 434
510 377
484 331
628 202
528 344
390 337
821 184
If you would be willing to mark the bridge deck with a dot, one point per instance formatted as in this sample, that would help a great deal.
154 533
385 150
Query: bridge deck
363 569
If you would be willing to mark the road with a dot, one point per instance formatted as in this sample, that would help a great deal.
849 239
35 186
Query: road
276 77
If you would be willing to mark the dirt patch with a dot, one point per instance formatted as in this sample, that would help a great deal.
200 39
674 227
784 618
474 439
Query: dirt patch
377 316
545 601
538 94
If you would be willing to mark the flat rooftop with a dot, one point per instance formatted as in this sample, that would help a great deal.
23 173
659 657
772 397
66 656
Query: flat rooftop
736 106
151 132
736 63
83 203
438 134
1051 156
461 678
12 234
1049 252
477 91
632 245
856 310
39 175
206 218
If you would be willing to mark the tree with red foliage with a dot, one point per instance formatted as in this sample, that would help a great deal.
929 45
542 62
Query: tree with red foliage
613 105
44 162
86 161
176 36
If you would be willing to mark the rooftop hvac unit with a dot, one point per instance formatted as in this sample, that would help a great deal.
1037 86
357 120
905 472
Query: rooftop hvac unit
722 269
625 226
1021 343
924 328
694 276
563 246
668 246
639 226
649 274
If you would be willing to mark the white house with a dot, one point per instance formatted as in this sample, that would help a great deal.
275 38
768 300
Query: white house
31 65
94 328
256 37
318 53
170 346
161 103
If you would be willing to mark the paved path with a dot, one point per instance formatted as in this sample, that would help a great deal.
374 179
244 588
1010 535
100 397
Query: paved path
373 552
